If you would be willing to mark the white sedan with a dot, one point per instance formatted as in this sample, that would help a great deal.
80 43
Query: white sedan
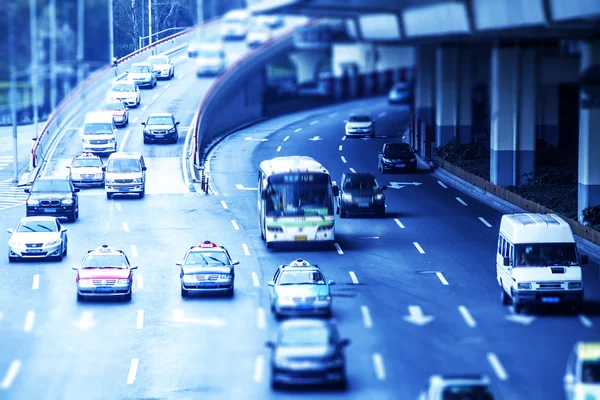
162 65
37 237
126 92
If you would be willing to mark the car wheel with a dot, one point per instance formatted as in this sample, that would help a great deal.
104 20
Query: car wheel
77 212
278 316
577 308
342 384
65 250
142 195
275 385
269 245
12 259
504 297
80 297
128 296
109 195
230 292
72 217
184 292
145 141
381 212
60 255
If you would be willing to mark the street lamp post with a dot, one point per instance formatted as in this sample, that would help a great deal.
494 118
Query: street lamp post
149 22
111 45
13 87
80 38
33 36
53 35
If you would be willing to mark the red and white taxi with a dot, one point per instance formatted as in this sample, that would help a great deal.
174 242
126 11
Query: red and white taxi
104 271
119 111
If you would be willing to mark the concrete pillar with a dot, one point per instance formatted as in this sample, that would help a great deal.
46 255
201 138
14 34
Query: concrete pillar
547 114
425 98
513 89
589 129
446 94
307 64
464 128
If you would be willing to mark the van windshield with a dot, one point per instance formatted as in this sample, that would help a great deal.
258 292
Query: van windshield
98 129
123 165
545 254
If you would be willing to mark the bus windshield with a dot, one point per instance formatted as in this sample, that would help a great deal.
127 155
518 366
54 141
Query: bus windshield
300 194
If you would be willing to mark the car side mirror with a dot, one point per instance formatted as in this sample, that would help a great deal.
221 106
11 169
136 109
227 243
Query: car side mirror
505 261
177 123
68 166
9 230
179 263
271 284
75 267
103 168
63 229
384 187
143 123
144 168
126 71
134 267
344 342
235 262
76 190
336 191
331 282
584 260
270 344
26 190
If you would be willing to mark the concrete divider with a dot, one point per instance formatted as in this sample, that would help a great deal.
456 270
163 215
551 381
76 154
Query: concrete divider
93 85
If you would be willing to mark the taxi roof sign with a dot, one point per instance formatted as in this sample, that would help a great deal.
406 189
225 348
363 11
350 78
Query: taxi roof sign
299 263
589 351
207 244
88 155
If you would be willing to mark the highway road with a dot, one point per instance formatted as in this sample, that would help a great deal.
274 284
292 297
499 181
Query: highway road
433 252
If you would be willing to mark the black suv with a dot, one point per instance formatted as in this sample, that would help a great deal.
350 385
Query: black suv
53 196
360 194
396 156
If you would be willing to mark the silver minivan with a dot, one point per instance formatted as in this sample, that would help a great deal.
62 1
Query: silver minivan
125 174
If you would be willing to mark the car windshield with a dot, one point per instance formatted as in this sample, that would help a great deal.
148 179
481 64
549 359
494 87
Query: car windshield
260 29
104 261
360 183
209 54
139 69
360 118
98 129
299 195
305 336
123 165
158 60
55 185
234 20
159 121
467 392
301 277
37 226
590 372
545 254
116 106
123 87
392 150
86 162
206 258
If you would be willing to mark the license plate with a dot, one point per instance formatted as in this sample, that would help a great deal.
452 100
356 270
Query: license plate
34 250
362 204
208 284
50 210
300 238
159 136
304 306
400 165
552 300
104 289
123 189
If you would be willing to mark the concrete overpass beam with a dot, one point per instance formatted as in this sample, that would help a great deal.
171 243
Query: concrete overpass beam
589 129
446 96
307 64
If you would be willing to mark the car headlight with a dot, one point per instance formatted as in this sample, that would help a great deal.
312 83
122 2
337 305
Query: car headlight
335 362
189 278
347 196
76 176
86 282
15 243
122 281
32 202
225 276
137 180
111 140
53 242
285 299
575 285
379 196
325 298
98 175
110 181
67 202
282 362
172 130
386 160
525 286
146 131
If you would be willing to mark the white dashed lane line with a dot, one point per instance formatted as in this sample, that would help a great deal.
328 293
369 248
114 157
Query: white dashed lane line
353 277
497 366
11 374
418 246
344 159
35 285
144 107
235 225
118 206
261 319
124 141
333 115
286 138
180 76
442 184
314 122
366 316
245 247
255 279
467 316
382 114
485 222
461 201
132 371
134 120
397 221
585 321
259 367
168 85
379 367
338 248
343 137
279 149
224 204
352 170
140 319
441 278
155 96
298 130
125 226
29 321
140 280
340 148
134 252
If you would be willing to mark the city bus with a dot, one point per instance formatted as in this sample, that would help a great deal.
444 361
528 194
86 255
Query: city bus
295 201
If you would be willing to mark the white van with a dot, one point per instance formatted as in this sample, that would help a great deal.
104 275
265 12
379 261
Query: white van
235 24
537 261
99 133
125 174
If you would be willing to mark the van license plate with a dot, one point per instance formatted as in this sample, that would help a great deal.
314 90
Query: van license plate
552 300
300 238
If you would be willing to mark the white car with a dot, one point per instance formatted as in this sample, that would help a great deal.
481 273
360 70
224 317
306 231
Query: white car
162 65
234 24
211 59
442 387
582 378
272 21
360 125
126 92
258 35
37 237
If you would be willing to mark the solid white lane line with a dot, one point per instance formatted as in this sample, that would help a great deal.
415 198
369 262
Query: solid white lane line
140 280
132 371
467 316
441 278
36 282
352 170
442 184
11 374
261 319
180 76
366 317
134 251
259 367
118 206
279 149
353 277
585 321
255 279
497 366
332 115
418 246
298 130
485 222
140 319
344 159
399 223
379 367
224 204
286 138
155 96
461 201
125 226
338 248
124 141
134 120
245 247
29 321
235 225
382 114
340 148
145 107
343 137
314 122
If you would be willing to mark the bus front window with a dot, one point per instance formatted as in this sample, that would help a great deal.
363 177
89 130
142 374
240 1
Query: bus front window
298 199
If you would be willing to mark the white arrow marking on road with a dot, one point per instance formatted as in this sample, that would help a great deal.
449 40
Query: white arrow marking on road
29 321
259 140
395 185
416 316
86 321
239 186
11 374
179 316
315 138
398 185
521 319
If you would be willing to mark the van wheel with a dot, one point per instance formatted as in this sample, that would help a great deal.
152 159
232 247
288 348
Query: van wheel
518 308
504 297
109 195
